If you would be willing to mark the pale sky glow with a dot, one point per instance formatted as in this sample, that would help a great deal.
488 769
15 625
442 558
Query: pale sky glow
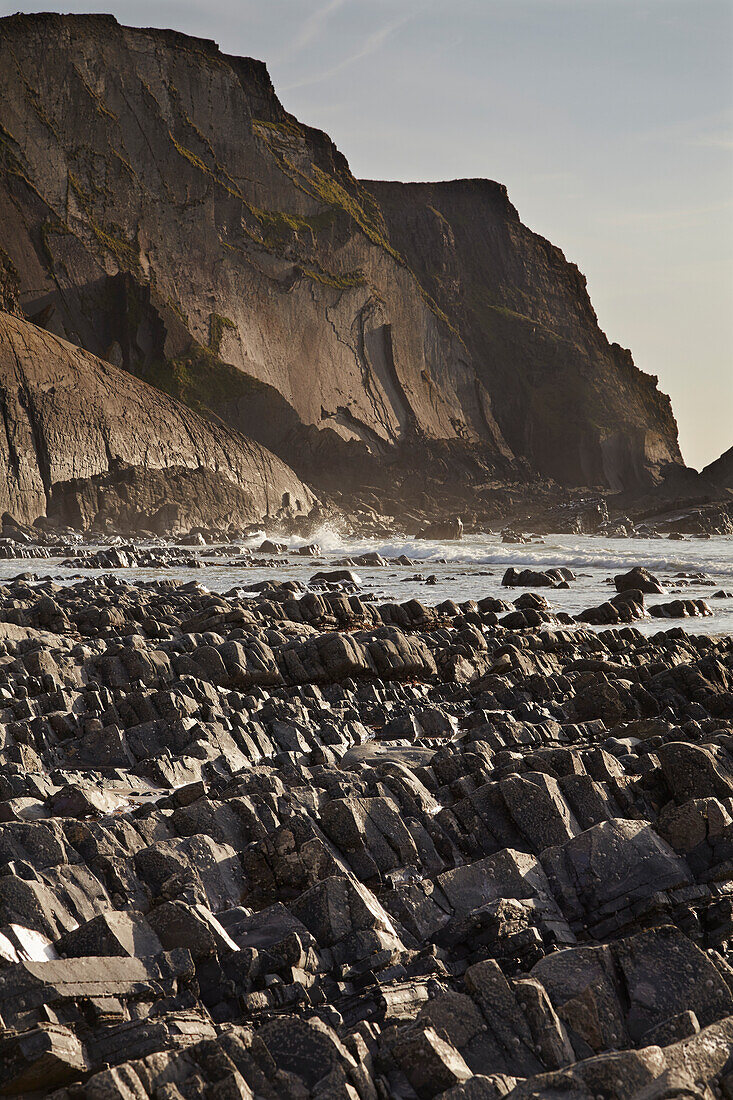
610 121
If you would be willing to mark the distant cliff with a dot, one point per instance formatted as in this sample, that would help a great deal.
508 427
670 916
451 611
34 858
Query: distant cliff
572 404
84 442
721 471
162 210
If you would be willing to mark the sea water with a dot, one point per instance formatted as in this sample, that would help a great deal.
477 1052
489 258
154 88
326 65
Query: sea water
471 569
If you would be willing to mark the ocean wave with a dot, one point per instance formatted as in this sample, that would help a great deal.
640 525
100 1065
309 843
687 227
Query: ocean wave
714 556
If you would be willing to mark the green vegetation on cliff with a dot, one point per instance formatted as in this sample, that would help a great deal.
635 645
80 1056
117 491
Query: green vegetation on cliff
201 380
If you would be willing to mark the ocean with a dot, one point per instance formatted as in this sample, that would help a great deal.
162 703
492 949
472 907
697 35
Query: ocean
472 569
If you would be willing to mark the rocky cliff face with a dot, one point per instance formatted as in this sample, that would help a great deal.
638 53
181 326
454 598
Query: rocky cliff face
721 471
566 399
84 442
163 211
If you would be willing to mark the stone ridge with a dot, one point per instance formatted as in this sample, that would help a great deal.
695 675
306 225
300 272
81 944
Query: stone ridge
166 213
78 436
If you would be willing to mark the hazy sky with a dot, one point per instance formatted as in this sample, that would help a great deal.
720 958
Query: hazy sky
610 121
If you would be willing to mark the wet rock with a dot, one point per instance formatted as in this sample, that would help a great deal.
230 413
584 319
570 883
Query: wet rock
638 579
626 607
531 578
679 609
312 550
442 531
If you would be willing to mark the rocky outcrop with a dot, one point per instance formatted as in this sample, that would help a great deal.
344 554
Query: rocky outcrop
86 443
720 472
163 211
310 846
566 399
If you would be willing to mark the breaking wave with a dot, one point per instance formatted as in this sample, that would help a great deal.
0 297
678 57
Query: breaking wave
713 555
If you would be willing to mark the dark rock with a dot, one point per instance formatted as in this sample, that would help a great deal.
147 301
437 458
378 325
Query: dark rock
269 547
638 579
430 1064
40 1059
336 576
112 933
530 578
301 843
447 531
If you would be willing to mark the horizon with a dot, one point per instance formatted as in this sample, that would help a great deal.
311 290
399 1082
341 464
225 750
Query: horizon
631 180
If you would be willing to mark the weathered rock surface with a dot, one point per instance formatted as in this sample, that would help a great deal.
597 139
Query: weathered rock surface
302 844
87 444
316 333
721 471
637 579
525 316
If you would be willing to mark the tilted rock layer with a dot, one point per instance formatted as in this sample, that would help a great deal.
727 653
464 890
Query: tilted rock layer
568 400
721 471
305 846
162 210
79 437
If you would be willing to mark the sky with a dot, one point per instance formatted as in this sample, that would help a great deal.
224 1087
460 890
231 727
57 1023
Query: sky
610 122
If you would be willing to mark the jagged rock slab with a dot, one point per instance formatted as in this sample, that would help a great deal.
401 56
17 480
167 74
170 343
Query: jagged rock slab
270 847
83 441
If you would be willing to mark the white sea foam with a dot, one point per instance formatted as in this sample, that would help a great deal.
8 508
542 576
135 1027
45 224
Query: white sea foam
473 568
713 555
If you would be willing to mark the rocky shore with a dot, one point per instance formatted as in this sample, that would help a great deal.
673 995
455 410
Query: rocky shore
302 839
307 845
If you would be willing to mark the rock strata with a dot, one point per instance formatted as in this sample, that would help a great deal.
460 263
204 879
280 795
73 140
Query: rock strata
86 444
524 315
301 844
167 214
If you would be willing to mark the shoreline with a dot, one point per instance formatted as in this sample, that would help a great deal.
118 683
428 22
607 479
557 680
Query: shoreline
365 823
696 576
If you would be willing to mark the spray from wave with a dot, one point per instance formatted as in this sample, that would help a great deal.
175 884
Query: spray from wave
714 556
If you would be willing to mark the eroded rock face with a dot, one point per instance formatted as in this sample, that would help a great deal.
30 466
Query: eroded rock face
566 399
203 238
273 846
84 441
721 471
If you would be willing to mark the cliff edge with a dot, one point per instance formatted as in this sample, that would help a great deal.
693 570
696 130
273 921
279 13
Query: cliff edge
163 211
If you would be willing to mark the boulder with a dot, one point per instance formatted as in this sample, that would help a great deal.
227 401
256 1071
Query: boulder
449 530
638 579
